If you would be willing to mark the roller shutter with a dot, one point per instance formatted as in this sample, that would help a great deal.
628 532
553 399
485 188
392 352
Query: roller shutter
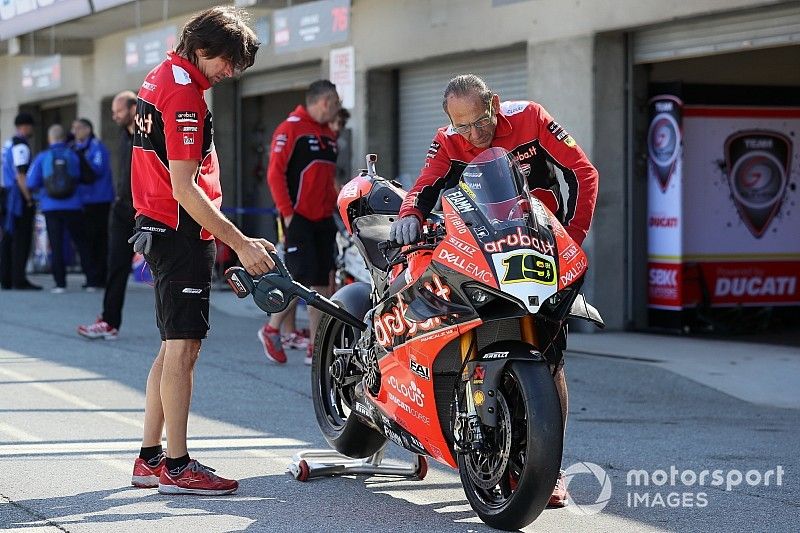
762 28
285 79
420 95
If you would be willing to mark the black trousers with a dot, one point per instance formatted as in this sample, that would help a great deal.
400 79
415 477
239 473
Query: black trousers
58 223
96 227
15 249
120 255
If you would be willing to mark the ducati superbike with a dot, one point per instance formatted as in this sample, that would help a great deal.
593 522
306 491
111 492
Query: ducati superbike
449 349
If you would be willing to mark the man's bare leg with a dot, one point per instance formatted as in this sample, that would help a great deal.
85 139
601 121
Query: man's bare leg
180 357
560 380
560 496
314 316
153 411
288 320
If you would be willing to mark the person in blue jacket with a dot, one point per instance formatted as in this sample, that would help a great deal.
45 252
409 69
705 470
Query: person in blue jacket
17 208
97 193
61 214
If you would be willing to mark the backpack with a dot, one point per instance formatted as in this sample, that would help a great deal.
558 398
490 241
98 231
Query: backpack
88 175
58 182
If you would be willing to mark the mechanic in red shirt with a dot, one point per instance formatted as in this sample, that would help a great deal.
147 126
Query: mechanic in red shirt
478 121
177 195
301 177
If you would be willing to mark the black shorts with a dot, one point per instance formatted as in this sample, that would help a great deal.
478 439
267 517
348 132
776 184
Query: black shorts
310 250
181 267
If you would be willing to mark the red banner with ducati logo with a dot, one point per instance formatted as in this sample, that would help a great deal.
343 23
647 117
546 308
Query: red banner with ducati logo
722 218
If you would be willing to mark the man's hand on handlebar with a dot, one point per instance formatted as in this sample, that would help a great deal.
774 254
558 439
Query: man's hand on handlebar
254 255
405 230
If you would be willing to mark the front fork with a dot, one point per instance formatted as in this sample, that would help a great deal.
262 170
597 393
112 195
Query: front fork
467 432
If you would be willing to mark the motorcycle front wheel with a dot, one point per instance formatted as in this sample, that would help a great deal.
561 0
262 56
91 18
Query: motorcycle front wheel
334 397
510 485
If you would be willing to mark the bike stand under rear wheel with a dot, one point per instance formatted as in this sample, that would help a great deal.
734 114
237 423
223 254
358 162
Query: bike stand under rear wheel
318 463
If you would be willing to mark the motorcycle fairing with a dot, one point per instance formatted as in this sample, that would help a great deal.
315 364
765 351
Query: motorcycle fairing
395 325
459 251
396 378
373 416
366 195
572 260
522 252
528 275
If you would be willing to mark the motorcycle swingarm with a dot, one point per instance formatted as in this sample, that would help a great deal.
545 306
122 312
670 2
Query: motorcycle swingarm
484 374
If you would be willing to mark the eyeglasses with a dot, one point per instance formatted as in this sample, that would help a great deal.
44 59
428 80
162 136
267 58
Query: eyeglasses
479 124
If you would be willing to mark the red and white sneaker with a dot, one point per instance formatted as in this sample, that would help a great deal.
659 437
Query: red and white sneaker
196 478
309 355
560 496
146 476
99 330
271 340
295 340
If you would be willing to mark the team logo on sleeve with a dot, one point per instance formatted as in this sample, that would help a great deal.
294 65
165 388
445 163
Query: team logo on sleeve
433 150
185 116
560 133
188 138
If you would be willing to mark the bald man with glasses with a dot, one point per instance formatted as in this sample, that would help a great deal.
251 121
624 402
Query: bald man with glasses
527 131
479 121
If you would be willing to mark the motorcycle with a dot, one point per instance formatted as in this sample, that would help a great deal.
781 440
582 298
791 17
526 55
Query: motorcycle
449 350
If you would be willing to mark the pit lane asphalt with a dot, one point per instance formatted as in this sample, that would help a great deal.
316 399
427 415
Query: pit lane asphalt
71 412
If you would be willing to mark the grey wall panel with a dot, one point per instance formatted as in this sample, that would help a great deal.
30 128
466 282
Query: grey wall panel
421 89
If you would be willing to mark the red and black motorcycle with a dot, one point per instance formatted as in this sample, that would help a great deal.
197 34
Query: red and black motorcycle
449 350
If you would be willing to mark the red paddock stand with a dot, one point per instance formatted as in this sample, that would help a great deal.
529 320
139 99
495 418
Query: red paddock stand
318 463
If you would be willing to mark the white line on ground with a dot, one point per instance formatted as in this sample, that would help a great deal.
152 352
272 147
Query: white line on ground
125 446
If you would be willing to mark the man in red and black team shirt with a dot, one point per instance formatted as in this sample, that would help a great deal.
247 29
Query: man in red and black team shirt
301 178
177 195
478 121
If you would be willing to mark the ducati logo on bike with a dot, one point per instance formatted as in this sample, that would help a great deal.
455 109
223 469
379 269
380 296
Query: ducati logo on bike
664 138
529 267
758 169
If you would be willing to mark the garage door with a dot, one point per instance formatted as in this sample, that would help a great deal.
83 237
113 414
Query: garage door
761 28
285 79
421 89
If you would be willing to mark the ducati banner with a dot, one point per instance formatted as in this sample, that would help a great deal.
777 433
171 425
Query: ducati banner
664 199
664 138
741 169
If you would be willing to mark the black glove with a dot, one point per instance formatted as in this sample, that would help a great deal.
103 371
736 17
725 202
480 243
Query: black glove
405 230
142 241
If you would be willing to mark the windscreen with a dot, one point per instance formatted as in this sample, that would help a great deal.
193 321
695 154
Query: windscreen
495 183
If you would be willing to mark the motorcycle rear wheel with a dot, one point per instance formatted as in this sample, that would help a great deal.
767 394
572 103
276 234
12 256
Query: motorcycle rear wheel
333 403
528 462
